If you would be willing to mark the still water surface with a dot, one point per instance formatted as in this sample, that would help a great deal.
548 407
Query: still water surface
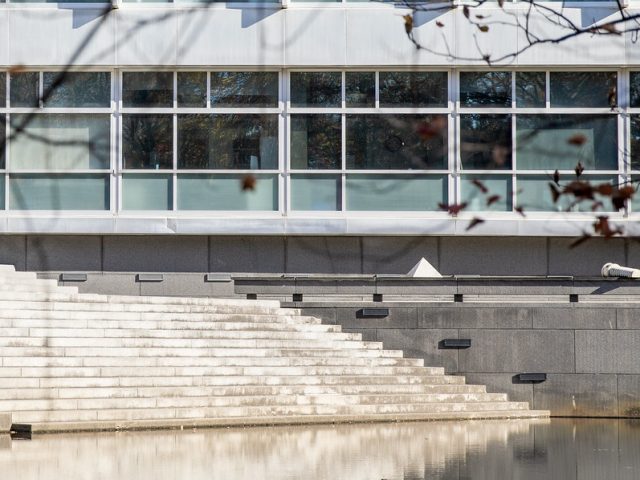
563 449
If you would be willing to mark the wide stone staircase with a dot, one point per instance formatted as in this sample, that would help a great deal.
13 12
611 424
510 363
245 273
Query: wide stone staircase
71 361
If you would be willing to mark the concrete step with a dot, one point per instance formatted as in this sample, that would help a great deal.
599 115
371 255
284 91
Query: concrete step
170 343
213 391
43 286
176 334
226 380
23 362
171 325
62 311
473 399
259 370
258 411
189 352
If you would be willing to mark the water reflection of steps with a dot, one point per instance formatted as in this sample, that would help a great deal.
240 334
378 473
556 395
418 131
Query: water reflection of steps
81 361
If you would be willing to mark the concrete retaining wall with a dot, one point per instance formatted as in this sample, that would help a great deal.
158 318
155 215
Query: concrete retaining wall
591 353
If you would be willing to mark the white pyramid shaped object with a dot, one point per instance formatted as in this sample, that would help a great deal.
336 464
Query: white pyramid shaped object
424 269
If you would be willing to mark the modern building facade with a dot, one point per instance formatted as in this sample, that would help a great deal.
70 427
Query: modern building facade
309 137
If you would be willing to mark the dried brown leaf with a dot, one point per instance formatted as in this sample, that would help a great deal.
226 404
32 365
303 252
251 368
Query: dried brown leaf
408 23
439 23
480 185
248 182
483 28
493 199
453 209
577 140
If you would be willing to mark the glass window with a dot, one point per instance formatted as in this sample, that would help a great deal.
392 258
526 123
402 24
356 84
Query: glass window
147 89
634 78
77 89
635 142
3 89
316 141
147 141
316 192
239 89
316 89
25 89
497 198
61 141
485 141
192 89
534 194
395 192
413 89
583 89
531 89
146 192
224 192
228 141
485 89
3 140
550 142
402 142
360 89
58 192
2 187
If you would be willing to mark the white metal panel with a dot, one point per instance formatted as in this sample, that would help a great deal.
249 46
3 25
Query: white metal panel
51 36
315 37
147 36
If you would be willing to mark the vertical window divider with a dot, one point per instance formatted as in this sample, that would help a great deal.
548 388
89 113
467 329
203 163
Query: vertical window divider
513 141
40 89
174 165
547 90
377 90
115 178
284 203
7 130
208 90
119 146
624 130
455 162
343 150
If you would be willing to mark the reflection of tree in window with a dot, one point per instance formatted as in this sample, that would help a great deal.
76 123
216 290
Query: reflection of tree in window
413 89
531 89
485 141
77 89
583 89
316 141
232 89
490 89
401 142
147 141
635 142
320 89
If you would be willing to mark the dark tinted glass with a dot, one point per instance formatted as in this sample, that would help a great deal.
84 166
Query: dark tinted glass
316 141
400 142
485 141
485 89
360 89
192 89
228 141
583 89
635 89
3 141
147 89
635 142
147 141
25 89
3 89
316 89
550 142
413 89
531 89
238 89
77 89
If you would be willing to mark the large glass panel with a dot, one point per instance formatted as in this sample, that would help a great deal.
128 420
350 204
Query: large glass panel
3 89
316 89
396 192
316 141
58 192
192 89
531 89
534 194
583 89
497 197
360 89
225 192
241 89
635 89
147 89
550 142
485 142
485 89
401 142
2 180
77 89
147 141
3 140
61 141
635 142
25 89
316 192
413 89
147 192
228 141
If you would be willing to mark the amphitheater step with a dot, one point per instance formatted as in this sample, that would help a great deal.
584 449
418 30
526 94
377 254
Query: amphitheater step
71 361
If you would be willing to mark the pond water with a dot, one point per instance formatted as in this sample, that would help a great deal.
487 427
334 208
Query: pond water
562 449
